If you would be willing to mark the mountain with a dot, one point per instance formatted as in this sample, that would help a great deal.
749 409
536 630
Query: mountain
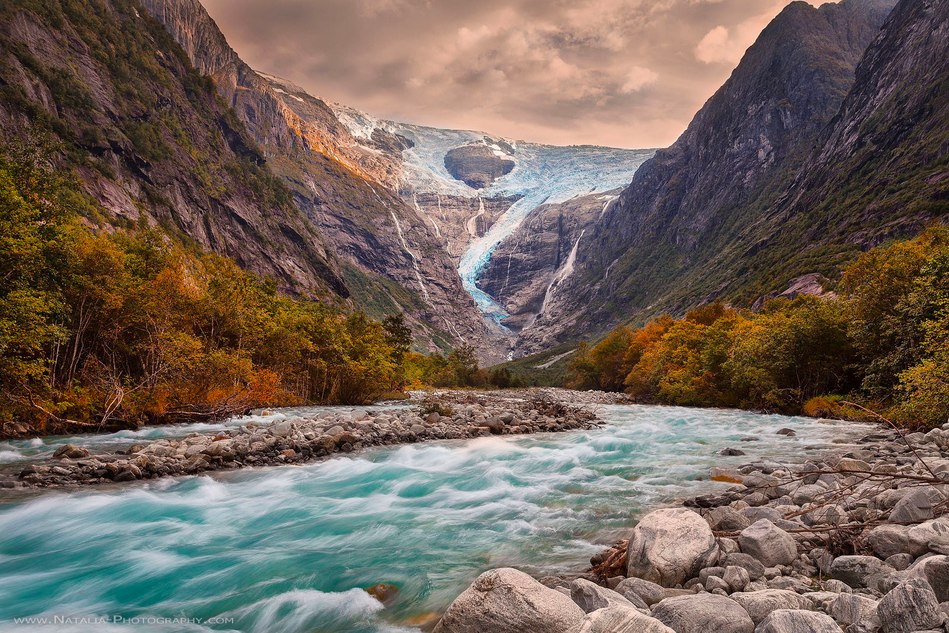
733 209
149 140
166 126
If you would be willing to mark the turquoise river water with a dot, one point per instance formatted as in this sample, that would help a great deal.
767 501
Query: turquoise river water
288 549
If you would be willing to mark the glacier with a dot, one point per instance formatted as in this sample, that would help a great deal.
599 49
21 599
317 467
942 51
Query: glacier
543 174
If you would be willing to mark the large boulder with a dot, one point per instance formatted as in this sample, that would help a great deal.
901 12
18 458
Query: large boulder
794 621
851 608
915 507
859 571
935 571
648 592
669 546
768 543
619 619
910 606
703 612
889 540
760 604
509 601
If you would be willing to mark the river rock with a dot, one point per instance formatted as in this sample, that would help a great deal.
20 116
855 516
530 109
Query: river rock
736 577
752 565
619 619
935 571
281 428
888 540
850 608
768 543
858 571
911 606
759 604
915 507
590 596
648 592
509 601
669 546
71 451
727 519
703 612
794 621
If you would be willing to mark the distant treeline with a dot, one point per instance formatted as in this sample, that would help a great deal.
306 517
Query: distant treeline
882 341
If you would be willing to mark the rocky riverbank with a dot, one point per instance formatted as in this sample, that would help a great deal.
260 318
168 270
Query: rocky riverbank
856 542
443 415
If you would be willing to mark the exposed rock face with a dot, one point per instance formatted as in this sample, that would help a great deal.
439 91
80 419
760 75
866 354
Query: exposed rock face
700 216
529 269
510 601
478 166
215 189
668 546
392 257
456 220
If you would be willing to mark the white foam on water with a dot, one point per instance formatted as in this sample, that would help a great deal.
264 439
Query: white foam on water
289 548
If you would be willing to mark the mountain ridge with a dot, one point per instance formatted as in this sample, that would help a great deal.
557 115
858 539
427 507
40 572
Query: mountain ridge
698 222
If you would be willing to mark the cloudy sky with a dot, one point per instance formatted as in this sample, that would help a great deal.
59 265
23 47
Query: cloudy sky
626 73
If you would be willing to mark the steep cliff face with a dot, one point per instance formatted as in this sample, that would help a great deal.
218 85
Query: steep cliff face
528 270
149 138
393 259
690 226
881 168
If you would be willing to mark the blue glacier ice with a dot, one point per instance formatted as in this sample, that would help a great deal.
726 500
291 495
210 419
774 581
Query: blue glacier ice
542 174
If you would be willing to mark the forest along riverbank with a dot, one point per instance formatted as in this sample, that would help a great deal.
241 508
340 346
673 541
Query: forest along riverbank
442 415
853 542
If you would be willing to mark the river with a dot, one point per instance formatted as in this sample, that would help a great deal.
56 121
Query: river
288 549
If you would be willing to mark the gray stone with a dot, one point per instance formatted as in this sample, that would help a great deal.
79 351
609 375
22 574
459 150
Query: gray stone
736 577
887 540
619 620
915 507
509 601
714 582
71 451
793 621
858 571
768 543
726 519
759 604
899 562
935 571
590 596
281 428
837 586
669 546
849 608
702 613
648 592
911 606
754 567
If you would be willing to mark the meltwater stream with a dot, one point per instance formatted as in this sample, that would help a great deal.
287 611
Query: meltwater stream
288 549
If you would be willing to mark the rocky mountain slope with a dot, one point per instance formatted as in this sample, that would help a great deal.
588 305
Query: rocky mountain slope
391 260
742 203
329 201
145 132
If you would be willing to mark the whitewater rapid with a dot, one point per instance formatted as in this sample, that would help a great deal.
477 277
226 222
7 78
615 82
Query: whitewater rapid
289 549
